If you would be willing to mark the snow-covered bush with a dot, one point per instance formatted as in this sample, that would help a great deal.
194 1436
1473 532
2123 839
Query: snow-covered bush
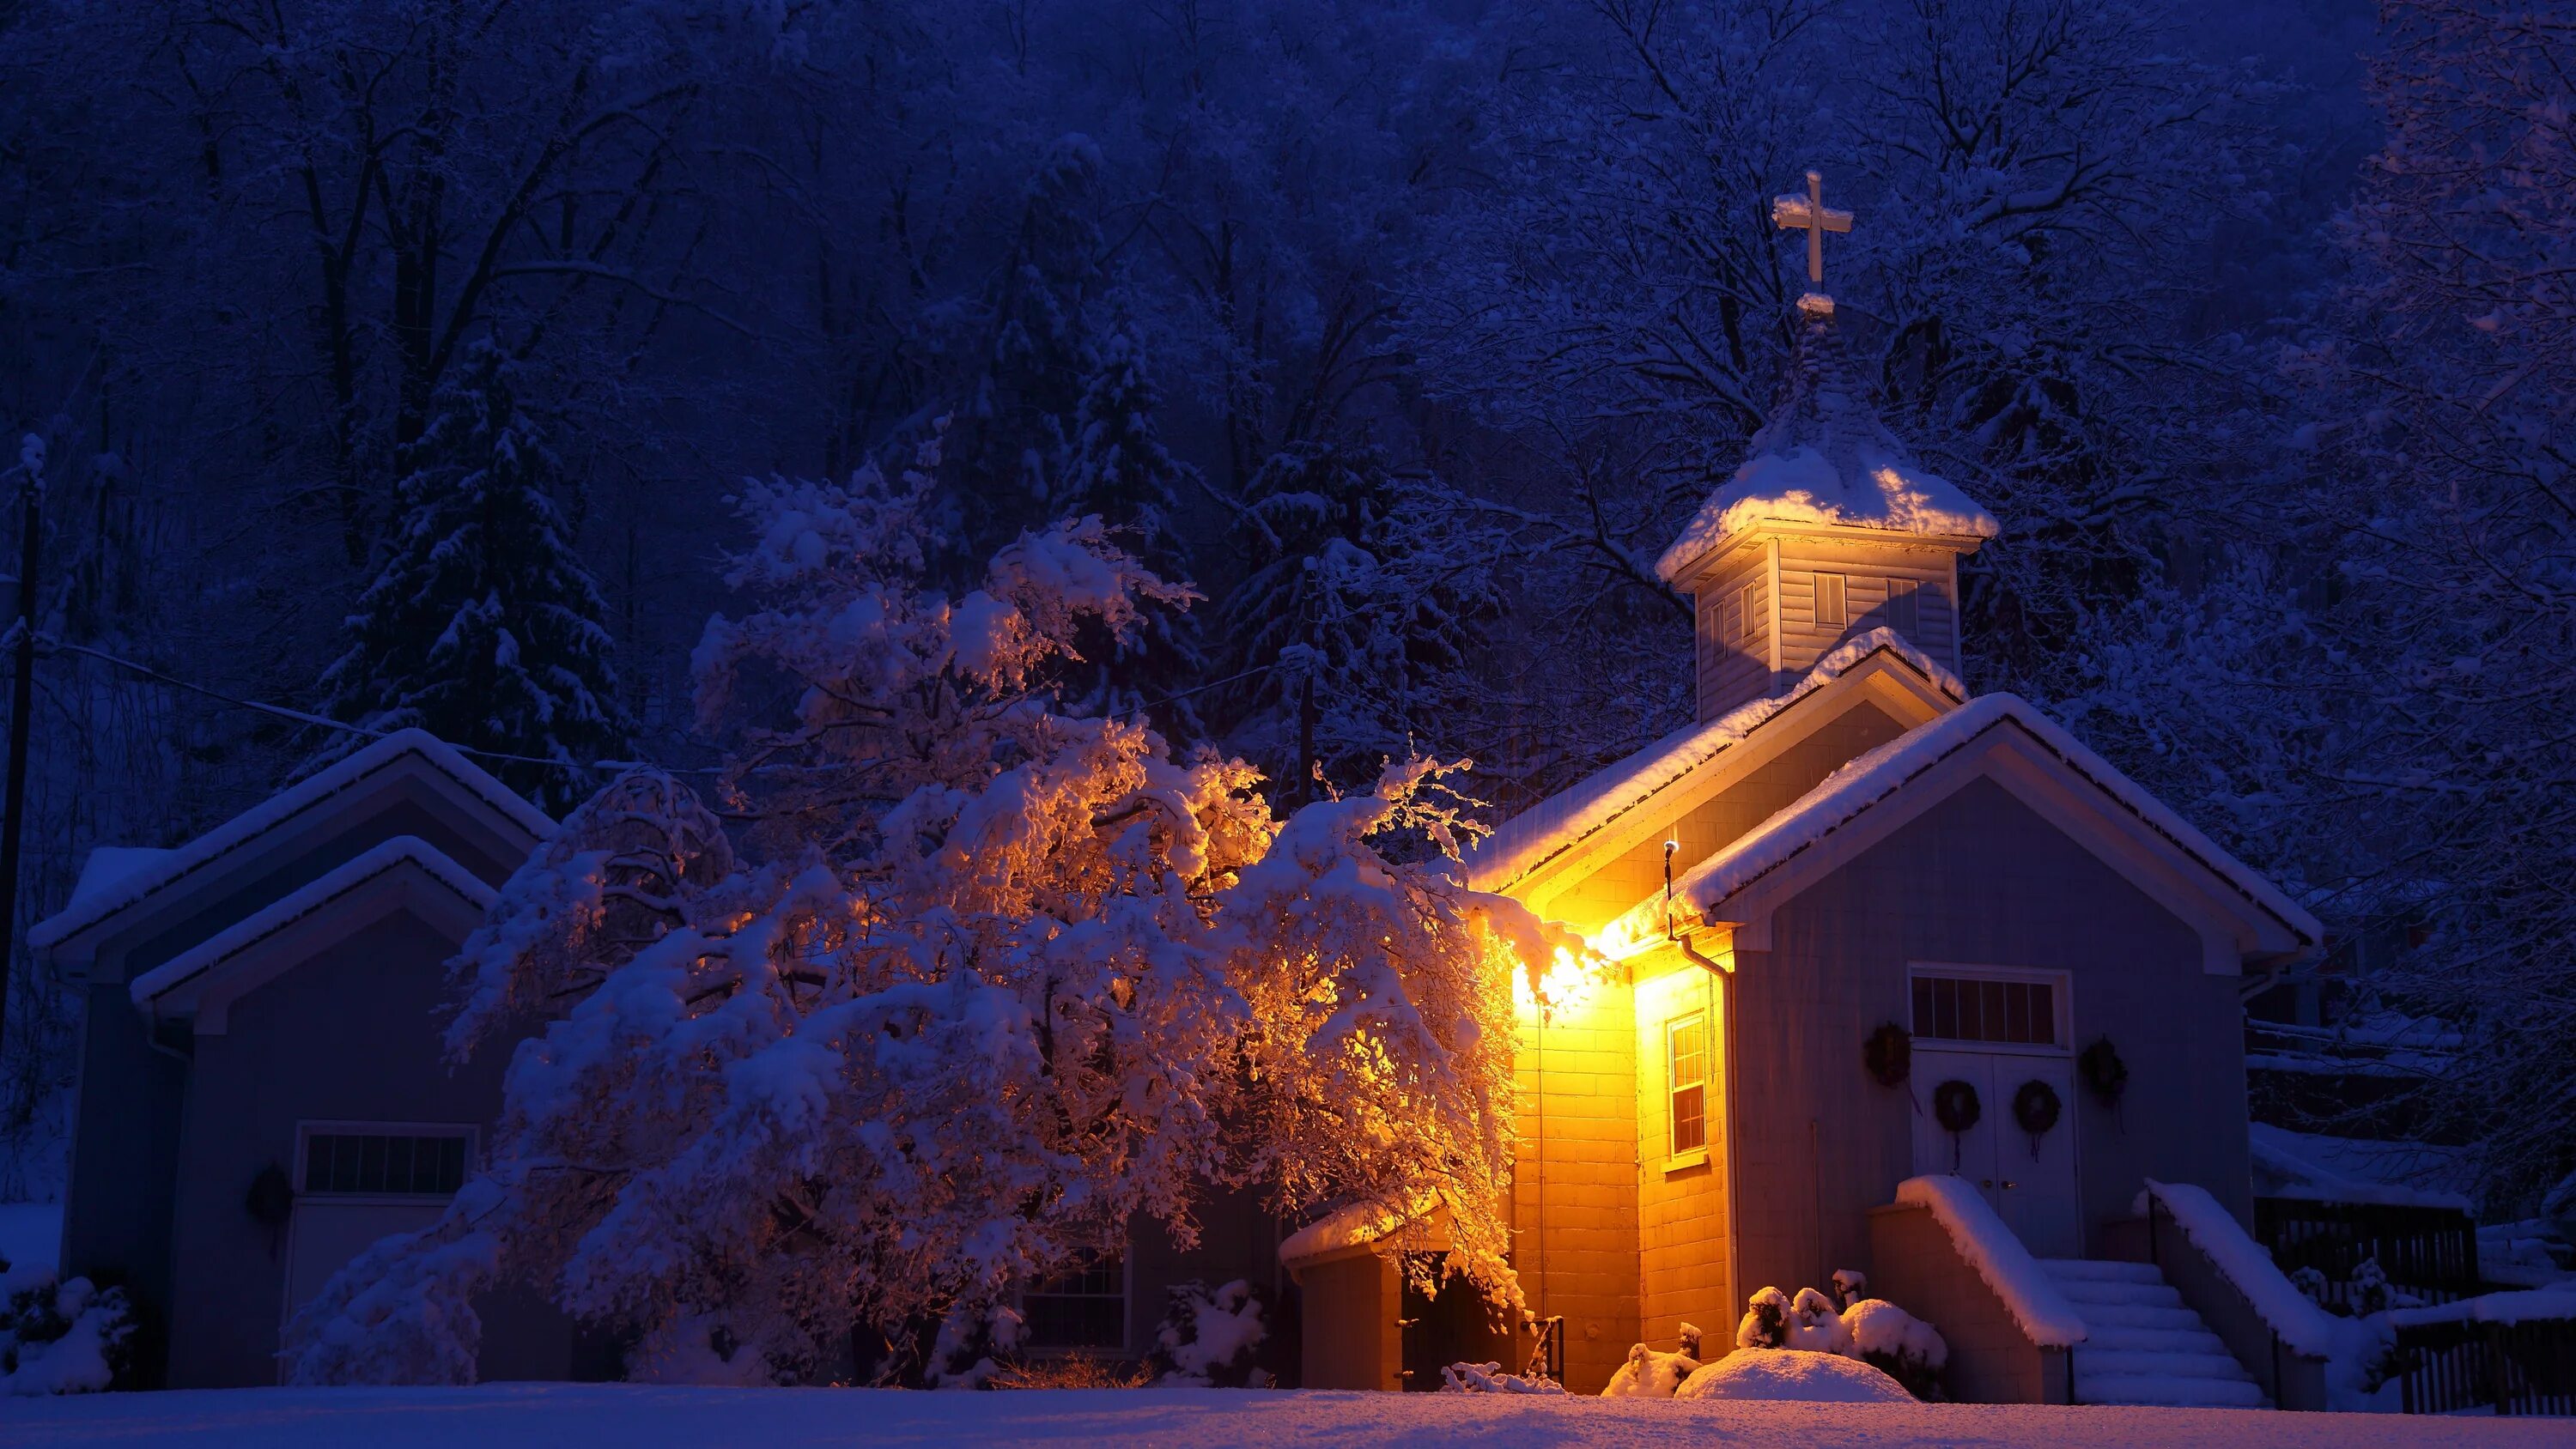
61 1337
1766 1321
1897 1344
1850 1286
1489 1378
1872 1330
954 988
1208 1338
1649 1374
1815 1325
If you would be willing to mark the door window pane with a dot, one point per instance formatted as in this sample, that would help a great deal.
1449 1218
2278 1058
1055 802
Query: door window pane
398 1164
1960 1008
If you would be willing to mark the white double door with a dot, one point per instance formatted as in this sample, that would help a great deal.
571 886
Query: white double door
2030 1181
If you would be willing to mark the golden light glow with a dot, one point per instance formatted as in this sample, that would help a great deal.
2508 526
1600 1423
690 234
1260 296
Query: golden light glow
1566 984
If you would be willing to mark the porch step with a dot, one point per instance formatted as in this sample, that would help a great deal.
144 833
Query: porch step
2144 1344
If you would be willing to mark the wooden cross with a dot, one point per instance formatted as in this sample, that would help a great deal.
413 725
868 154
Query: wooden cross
1810 213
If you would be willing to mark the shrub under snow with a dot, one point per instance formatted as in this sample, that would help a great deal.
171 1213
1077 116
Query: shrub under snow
61 1337
1489 1378
1208 1338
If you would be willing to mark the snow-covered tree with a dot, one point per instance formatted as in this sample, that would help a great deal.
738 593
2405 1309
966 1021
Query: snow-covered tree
483 625
1118 468
973 985
2451 487
1359 616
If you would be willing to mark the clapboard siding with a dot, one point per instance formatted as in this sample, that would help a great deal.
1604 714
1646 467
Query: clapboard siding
1868 570
1734 662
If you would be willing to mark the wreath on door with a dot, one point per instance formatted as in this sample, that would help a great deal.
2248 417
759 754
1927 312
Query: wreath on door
1956 1108
2035 1108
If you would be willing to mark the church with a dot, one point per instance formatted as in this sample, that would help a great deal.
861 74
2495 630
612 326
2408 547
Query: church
1905 981
1869 929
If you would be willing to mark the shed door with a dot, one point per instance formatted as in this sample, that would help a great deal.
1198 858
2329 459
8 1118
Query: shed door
2030 1181
357 1183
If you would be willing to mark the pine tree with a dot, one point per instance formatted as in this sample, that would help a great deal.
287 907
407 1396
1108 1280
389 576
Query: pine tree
482 625
1367 596
1118 468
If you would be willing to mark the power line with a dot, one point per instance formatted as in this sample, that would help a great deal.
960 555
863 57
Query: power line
304 717
325 722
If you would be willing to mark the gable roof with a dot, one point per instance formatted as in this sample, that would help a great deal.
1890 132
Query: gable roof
196 977
1556 825
1845 797
145 880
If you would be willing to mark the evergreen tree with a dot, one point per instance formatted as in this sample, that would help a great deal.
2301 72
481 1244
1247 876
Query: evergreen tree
1354 629
1117 467
482 625
1007 438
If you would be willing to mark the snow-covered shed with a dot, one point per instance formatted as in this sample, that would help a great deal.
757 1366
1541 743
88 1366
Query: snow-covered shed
262 1088
1867 925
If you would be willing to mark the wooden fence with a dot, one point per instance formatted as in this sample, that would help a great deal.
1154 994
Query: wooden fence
2517 1368
2430 1252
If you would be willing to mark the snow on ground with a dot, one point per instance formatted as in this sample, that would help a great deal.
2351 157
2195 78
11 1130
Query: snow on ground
549 1416
30 1233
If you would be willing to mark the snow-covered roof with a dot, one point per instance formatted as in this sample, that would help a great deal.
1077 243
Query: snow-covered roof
1826 459
163 870
397 853
107 869
1871 778
1561 821
1356 1226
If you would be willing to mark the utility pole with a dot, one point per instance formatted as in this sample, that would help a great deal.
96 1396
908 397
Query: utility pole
22 704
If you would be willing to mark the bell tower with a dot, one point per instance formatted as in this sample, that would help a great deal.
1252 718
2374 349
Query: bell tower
1829 527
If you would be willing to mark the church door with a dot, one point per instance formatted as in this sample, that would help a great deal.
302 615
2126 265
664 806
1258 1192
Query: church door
2028 1177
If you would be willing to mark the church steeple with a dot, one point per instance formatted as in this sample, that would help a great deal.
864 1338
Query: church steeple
1828 526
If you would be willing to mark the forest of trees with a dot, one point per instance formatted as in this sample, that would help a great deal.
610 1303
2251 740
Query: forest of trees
410 361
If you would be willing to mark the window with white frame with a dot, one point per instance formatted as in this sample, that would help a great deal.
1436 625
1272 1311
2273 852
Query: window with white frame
371 1160
1748 618
1832 601
1686 1080
2001 1009
1084 1307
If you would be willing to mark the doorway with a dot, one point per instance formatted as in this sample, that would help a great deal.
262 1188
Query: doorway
2029 1178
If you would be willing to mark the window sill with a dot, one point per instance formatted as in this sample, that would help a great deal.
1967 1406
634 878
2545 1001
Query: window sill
1684 1161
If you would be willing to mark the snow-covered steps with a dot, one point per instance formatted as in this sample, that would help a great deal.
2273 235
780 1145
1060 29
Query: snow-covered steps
2144 1344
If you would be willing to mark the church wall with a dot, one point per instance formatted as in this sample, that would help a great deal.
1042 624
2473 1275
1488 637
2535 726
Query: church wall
1594 900
1574 1184
1734 655
351 1035
1681 1200
125 1141
1868 570
1979 879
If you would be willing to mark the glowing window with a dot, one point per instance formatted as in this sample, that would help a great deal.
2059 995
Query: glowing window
1686 1070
